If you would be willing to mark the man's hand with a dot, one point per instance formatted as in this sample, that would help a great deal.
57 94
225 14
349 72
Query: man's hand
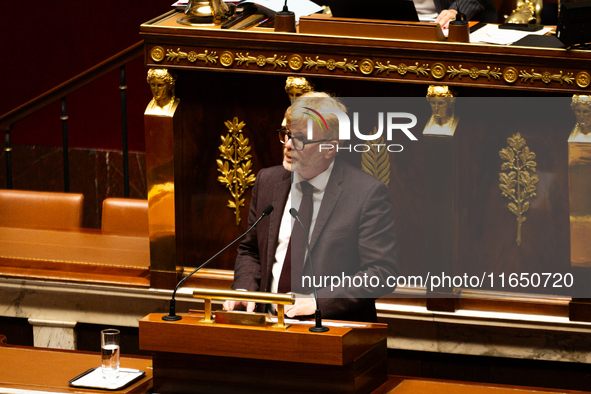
302 307
239 306
445 17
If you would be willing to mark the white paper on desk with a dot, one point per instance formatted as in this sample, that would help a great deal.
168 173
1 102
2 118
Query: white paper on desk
491 34
298 7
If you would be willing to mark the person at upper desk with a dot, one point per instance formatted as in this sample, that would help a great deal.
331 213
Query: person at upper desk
445 11
349 214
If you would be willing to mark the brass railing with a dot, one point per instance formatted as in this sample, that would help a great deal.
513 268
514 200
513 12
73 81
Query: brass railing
60 92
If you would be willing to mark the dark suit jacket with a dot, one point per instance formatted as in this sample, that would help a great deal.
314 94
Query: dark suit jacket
353 236
475 10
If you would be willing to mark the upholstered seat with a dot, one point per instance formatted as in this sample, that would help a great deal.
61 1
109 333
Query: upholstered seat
125 216
31 209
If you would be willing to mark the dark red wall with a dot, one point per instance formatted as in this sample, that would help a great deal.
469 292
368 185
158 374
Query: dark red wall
44 43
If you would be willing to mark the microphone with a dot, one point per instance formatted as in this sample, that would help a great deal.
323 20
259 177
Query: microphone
318 327
172 316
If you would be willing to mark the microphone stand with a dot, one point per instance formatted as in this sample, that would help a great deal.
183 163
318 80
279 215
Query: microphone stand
317 315
172 316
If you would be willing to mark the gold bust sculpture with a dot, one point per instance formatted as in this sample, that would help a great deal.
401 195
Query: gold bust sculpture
161 83
296 86
581 106
443 120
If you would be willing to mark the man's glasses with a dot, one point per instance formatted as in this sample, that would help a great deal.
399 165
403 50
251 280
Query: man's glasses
298 143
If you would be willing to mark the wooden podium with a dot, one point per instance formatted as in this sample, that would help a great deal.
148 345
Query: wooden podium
194 357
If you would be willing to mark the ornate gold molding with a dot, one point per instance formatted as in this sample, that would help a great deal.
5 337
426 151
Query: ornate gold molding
518 185
474 72
546 77
376 161
261 60
403 69
207 57
331 64
234 151
368 66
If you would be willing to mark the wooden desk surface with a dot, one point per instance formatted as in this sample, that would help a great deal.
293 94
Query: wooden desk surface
82 255
50 370
403 385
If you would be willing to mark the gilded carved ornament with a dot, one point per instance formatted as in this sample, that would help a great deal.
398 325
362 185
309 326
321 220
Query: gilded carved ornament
261 60
474 72
192 56
161 83
518 185
443 121
367 66
376 160
296 86
546 77
235 165
403 69
331 64
581 106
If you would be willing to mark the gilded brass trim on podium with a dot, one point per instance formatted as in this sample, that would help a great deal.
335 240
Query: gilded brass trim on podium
159 122
441 192
331 64
579 182
261 60
235 152
403 69
474 72
518 185
192 56
546 77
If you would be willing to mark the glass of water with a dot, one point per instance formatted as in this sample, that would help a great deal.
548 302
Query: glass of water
110 353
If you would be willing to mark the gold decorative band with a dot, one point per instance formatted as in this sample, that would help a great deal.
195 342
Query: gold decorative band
368 66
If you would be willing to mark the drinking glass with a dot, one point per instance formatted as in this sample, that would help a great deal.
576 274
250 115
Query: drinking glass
110 353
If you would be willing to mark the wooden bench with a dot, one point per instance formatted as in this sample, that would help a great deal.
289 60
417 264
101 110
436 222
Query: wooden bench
125 216
32 209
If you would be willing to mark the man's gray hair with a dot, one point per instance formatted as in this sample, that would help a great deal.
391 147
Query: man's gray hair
318 101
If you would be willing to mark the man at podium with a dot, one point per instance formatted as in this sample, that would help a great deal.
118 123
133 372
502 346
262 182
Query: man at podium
347 213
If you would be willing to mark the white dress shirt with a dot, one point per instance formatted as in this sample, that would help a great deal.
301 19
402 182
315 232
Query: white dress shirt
294 199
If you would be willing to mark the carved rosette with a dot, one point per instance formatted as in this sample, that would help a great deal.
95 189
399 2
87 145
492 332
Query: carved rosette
510 75
583 79
366 66
438 71
296 62
157 54
226 59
